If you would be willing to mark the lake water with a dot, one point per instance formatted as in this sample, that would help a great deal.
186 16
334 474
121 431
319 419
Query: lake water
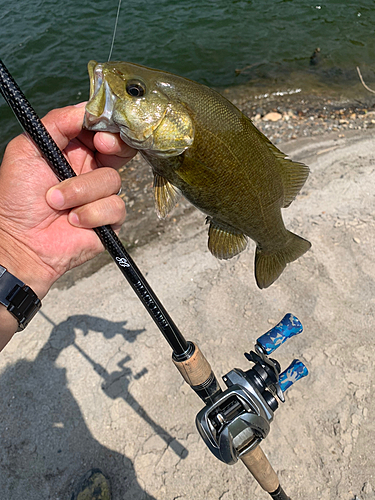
46 44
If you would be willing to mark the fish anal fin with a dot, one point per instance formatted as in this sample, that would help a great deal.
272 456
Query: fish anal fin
269 266
166 195
224 242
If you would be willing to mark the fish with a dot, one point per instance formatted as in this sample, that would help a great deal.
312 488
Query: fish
203 147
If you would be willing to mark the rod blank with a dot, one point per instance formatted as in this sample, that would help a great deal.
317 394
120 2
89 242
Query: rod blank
35 129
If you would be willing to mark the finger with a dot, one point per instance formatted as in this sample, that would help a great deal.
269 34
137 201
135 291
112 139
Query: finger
80 156
112 144
110 210
106 143
84 188
87 138
65 123
115 162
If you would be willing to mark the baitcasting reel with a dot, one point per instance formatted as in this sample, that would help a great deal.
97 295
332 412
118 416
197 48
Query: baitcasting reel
239 418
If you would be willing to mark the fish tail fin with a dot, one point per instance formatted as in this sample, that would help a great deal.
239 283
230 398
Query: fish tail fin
269 266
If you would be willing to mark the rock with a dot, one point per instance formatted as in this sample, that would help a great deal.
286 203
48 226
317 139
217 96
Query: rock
367 488
316 57
272 117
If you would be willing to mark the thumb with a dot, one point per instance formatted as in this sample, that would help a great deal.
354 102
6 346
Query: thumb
65 123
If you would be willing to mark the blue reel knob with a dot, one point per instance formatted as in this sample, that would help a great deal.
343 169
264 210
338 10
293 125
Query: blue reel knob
274 338
295 371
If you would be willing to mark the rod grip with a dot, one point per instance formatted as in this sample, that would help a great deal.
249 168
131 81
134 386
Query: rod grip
196 370
259 466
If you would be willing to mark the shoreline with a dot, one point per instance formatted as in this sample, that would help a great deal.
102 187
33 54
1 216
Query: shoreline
288 115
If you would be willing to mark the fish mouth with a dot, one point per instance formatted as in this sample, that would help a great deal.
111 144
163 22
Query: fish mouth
99 109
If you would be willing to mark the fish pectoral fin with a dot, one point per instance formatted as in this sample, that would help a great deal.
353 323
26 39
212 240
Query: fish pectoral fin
166 195
293 174
269 265
224 242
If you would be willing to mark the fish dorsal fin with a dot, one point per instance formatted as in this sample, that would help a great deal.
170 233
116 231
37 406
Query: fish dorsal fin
166 195
224 242
293 174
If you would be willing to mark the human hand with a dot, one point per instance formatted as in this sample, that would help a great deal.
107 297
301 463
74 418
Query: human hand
45 226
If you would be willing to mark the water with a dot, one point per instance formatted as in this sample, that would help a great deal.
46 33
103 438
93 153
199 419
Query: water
46 44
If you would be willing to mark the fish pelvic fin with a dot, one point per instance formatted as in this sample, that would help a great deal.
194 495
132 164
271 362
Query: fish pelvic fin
269 266
166 196
224 242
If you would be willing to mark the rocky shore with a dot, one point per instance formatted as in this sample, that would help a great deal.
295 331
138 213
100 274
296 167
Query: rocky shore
288 117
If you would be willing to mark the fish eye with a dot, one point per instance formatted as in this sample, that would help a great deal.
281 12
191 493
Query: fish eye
135 88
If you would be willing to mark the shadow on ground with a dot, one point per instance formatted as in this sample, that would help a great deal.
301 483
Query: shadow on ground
46 444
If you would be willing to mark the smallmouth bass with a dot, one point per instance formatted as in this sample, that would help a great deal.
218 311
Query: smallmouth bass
201 146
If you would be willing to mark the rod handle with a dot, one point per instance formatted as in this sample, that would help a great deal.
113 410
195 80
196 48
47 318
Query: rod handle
197 372
196 369
259 466
288 327
295 371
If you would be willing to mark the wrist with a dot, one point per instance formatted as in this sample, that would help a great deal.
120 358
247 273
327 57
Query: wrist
8 326
18 301
25 266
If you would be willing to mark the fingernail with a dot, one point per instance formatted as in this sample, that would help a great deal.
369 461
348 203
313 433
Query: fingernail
108 140
73 219
55 198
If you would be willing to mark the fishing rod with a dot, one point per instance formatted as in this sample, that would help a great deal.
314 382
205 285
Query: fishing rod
234 421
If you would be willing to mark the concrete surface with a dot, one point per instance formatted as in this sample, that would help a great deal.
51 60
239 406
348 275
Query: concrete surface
90 383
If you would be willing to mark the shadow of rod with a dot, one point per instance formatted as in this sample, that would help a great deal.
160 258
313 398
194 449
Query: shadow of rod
178 448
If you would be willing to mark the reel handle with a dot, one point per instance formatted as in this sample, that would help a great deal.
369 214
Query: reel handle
288 327
295 371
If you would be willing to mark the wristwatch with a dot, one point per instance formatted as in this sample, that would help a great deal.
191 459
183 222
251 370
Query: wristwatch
18 298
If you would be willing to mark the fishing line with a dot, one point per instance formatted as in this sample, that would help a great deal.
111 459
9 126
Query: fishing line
115 29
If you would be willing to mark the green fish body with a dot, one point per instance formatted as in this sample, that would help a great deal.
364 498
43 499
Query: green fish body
201 146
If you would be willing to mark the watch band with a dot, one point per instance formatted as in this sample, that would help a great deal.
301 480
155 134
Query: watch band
18 298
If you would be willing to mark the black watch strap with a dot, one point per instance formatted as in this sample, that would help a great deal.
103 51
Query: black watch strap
18 298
